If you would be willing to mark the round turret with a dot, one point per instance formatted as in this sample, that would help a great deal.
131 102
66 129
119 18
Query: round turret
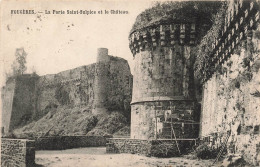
102 55
164 50
100 83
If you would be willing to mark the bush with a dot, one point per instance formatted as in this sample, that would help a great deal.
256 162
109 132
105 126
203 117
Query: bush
205 152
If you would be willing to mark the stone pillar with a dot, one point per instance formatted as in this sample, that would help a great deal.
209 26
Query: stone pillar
100 83
161 82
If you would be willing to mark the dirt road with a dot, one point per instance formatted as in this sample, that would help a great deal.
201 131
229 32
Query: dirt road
97 157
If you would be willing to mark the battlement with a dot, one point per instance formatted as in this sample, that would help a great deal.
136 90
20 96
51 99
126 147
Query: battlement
185 24
234 25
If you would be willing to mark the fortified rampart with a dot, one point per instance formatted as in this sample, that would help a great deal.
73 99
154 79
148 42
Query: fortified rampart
190 54
18 99
231 84
104 85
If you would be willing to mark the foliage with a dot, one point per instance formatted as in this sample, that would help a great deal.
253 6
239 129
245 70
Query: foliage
19 65
256 93
246 62
125 131
73 121
205 152
109 124
62 95
205 47
162 149
9 135
167 11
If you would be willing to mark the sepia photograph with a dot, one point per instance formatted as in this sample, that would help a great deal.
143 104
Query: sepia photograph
125 83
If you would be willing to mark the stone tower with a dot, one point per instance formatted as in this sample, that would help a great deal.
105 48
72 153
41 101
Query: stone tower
101 80
162 82
163 100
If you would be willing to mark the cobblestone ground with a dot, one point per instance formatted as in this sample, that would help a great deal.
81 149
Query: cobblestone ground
96 157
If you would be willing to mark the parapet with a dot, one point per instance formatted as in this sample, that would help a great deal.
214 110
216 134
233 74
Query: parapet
102 55
167 24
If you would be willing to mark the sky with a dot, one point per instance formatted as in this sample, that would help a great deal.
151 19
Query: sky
58 42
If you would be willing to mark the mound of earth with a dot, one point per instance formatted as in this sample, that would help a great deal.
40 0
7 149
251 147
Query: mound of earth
73 121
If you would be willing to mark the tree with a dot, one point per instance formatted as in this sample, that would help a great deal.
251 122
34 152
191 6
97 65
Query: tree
19 64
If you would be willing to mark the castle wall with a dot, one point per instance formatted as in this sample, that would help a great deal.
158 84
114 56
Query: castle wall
163 73
119 85
157 148
231 103
106 84
18 101
72 87
23 107
7 104
231 100
112 83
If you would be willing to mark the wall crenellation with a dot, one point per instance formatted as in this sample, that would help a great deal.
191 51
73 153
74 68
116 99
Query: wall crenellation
230 103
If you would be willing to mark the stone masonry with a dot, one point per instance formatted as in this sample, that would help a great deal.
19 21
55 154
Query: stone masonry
17 153
164 109
163 102
157 148
224 57
230 103
97 88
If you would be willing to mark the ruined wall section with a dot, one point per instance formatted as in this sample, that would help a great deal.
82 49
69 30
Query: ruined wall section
119 85
72 88
7 103
24 100
106 84
103 85
18 98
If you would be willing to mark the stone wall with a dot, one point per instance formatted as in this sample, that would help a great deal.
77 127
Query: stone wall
68 142
163 72
18 99
230 102
157 148
17 152
120 86
72 87
7 104
231 94
107 84
87 86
